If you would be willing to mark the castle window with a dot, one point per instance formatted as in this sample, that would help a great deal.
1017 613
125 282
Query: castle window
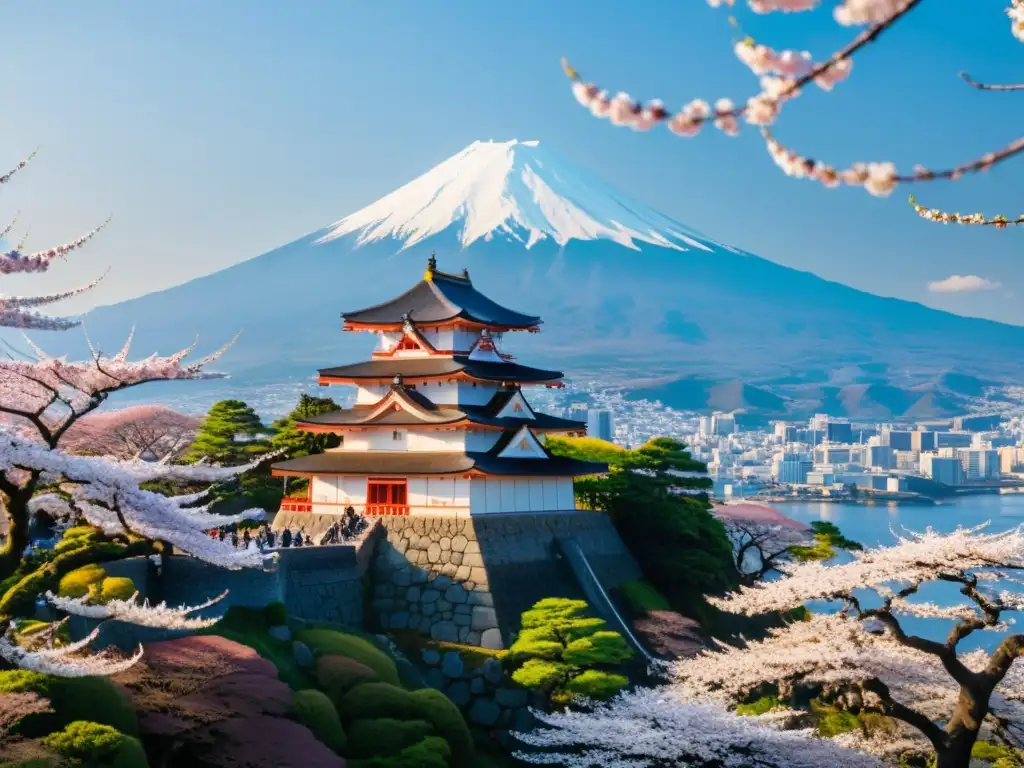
396 435
518 407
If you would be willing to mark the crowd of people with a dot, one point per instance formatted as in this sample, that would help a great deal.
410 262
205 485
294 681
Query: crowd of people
264 537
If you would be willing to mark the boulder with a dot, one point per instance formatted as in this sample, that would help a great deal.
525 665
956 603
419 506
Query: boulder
493 671
670 635
513 698
430 657
484 712
458 693
484 618
491 639
209 701
282 633
445 631
302 654
452 665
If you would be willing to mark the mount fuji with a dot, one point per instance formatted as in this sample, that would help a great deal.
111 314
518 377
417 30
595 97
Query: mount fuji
629 296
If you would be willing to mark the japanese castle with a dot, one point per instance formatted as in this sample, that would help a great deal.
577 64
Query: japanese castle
440 423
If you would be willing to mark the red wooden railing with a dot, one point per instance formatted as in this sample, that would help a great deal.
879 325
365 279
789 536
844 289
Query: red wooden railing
296 505
387 509
374 510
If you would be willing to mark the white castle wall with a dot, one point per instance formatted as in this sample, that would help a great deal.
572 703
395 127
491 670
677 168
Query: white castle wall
425 495
521 494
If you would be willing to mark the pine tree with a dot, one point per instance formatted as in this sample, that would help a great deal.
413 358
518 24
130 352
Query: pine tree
218 435
296 443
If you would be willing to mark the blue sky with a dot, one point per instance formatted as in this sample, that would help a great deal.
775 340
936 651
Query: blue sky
216 131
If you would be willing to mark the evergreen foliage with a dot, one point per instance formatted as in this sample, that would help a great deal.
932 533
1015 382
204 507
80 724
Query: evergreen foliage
217 439
337 674
385 736
563 652
682 549
96 699
315 711
296 443
438 710
329 641
77 582
827 539
94 744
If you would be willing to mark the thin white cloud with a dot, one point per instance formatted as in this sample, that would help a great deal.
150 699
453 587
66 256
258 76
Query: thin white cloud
962 284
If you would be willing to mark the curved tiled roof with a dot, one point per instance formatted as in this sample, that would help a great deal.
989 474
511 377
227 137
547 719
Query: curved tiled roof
385 463
432 367
440 299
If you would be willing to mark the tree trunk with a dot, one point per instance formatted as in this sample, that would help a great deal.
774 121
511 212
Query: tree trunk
18 521
962 730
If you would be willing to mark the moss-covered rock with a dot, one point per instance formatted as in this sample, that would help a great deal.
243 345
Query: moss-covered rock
116 588
275 614
384 737
431 752
595 684
315 711
77 582
93 699
98 745
438 710
375 700
331 642
338 674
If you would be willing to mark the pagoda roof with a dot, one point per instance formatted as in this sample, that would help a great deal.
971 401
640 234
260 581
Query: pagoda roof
386 463
441 298
415 409
439 367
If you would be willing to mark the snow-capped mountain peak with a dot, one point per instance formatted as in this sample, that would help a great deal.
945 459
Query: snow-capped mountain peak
518 190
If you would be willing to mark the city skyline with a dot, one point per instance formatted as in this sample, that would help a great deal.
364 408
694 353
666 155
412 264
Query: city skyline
275 134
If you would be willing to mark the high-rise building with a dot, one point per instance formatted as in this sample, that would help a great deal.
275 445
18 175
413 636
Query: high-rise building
791 468
898 439
947 470
722 423
980 463
977 423
922 440
881 456
953 439
601 424
839 432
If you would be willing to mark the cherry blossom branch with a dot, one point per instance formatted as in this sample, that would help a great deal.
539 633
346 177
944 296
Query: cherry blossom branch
14 261
986 87
943 217
131 611
759 110
5 178
62 663
908 715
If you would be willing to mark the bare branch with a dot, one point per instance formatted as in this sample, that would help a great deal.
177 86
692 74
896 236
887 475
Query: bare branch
985 87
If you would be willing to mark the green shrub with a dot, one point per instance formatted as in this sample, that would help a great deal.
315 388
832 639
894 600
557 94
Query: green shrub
595 684
337 674
540 673
438 710
385 736
558 644
81 531
760 707
315 711
95 699
276 614
116 588
372 700
93 743
598 648
77 582
329 641
131 755
832 721
997 755
643 597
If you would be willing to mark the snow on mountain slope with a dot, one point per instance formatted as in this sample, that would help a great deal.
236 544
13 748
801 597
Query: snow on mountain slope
518 190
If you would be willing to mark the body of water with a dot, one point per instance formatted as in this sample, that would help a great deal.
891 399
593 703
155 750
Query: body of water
873 525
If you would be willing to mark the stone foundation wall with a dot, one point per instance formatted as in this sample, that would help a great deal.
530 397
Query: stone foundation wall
468 579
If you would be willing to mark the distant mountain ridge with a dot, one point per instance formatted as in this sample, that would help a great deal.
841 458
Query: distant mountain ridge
627 294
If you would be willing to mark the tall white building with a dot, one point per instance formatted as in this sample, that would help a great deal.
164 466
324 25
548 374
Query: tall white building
980 463
942 469
791 468
601 424
722 423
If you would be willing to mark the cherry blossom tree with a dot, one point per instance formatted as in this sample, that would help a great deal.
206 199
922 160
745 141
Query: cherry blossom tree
940 695
142 431
16 311
761 537
783 75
